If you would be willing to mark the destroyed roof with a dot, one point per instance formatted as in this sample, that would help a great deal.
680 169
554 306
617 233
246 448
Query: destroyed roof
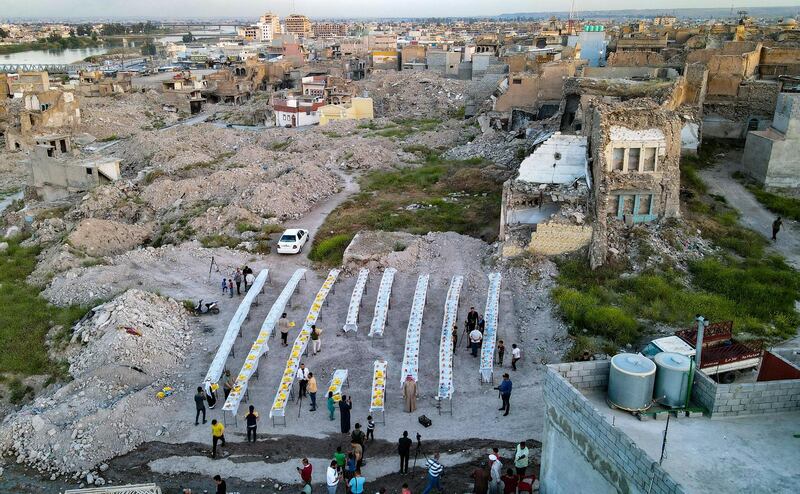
558 159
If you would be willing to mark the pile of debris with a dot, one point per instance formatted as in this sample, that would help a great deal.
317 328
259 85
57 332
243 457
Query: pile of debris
128 351
413 94
501 148
652 245
124 115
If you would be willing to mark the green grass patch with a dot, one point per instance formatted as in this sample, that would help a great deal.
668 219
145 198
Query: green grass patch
153 175
214 241
112 137
439 195
787 207
26 317
244 226
400 128
279 145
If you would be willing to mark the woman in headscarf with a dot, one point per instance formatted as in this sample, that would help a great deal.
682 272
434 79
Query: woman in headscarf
331 405
410 393
211 395
345 404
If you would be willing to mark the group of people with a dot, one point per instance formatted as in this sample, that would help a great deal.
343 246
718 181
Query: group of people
243 274
491 479
344 468
474 328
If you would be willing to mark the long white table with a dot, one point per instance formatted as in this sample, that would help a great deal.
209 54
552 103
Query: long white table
377 401
490 333
351 323
446 344
382 303
411 352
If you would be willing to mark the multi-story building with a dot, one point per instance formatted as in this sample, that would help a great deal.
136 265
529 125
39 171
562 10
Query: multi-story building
297 111
329 30
268 25
298 24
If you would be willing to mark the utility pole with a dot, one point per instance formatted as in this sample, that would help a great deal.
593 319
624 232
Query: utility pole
698 349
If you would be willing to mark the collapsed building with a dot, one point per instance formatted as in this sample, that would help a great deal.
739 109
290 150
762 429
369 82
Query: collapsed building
184 93
39 112
94 84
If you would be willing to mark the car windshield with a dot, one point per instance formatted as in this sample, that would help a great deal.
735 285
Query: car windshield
288 238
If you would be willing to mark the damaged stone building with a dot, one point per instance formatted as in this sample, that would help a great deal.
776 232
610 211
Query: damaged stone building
94 84
184 93
635 149
39 112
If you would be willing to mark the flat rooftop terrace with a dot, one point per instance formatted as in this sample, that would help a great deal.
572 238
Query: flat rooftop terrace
722 455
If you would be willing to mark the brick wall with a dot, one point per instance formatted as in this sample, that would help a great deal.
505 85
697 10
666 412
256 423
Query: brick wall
557 238
625 467
731 400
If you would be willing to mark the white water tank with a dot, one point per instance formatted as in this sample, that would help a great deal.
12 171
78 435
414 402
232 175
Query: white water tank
672 378
630 381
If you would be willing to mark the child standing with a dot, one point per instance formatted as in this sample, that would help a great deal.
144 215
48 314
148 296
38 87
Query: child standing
370 428
224 286
230 287
501 350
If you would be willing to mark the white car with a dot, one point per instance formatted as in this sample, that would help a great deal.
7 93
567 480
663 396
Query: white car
292 241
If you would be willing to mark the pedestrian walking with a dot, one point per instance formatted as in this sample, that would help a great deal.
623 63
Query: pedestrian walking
332 477
224 286
357 483
249 279
404 450
434 475
305 470
302 376
251 420
475 338
227 384
316 340
501 351
370 428
505 393
510 482
312 390
217 435
230 287
222 487
472 319
200 405
495 472
237 278
410 393
480 479
521 459
776 227
283 327
516 354
345 404
331 406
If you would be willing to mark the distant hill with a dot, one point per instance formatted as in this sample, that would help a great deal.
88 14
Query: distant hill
701 13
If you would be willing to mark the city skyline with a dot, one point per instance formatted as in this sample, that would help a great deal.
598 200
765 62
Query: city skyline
52 9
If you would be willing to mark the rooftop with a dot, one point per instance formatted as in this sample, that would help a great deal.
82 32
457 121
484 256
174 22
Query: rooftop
734 455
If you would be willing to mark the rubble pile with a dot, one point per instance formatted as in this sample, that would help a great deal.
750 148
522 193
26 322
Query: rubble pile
132 347
100 238
123 115
500 148
651 245
413 94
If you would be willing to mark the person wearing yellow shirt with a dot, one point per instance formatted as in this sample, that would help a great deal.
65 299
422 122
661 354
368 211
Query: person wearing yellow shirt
217 435
312 390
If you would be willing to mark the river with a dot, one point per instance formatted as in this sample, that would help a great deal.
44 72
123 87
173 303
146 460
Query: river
51 56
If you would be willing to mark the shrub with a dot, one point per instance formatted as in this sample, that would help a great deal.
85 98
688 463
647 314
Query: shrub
330 251
213 241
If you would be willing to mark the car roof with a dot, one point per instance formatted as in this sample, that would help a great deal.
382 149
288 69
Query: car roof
291 231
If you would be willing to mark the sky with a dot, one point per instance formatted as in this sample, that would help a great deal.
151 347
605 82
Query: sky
163 9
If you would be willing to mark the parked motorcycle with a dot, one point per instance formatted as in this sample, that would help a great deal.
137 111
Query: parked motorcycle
207 308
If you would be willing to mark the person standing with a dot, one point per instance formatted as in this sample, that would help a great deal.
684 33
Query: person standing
455 337
251 420
332 477
217 435
316 340
475 338
230 287
200 405
434 474
472 319
358 437
222 488
410 393
302 376
521 459
481 323
404 450
224 285
211 394
405 489
305 470
340 458
495 472
357 483
501 351
481 479
237 278
227 384
331 405
283 327
345 404
370 428
510 482
312 390
516 354
505 394
776 227
358 452
350 466
249 279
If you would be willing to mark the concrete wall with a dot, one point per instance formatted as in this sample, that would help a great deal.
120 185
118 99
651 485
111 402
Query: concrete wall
770 156
731 400
581 450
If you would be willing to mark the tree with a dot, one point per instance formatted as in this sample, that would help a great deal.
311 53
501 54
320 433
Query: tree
188 38
71 33
3 33
149 48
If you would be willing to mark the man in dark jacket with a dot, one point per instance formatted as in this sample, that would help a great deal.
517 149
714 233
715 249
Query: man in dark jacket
472 319
200 405
505 393
404 450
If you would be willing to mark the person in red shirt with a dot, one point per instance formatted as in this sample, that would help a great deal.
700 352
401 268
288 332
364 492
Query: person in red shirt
305 471
510 481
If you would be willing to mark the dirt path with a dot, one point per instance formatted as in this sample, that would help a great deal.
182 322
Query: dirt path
753 214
